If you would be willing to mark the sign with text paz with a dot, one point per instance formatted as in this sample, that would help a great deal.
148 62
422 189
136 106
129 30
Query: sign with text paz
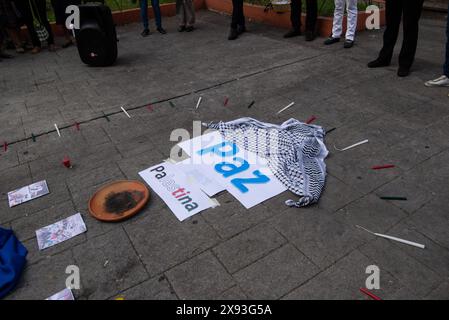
244 174
183 199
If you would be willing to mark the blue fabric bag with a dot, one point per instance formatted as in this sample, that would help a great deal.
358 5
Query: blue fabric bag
12 261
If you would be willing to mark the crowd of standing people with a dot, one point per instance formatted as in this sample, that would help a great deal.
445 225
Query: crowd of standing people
33 14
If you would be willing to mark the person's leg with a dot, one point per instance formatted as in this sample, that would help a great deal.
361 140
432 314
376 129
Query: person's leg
312 15
157 13
295 19
144 13
235 14
238 20
393 12
25 18
1 42
312 18
351 8
190 13
28 20
42 14
295 14
241 15
412 14
15 37
180 11
3 55
443 81
339 12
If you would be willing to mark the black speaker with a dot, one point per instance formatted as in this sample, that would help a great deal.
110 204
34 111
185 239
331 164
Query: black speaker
96 38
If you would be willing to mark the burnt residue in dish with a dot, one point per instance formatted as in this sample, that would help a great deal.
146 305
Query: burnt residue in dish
119 202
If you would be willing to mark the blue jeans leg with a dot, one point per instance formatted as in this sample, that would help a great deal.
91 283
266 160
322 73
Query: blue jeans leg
157 12
144 13
446 64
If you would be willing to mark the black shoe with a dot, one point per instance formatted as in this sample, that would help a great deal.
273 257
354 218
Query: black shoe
161 30
331 40
181 28
241 30
233 34
145 33
348 44
310 36
378 63
403 72
190 28
292 33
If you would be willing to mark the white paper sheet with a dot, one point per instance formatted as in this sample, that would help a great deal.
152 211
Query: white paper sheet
28 193
60 231
183 198
200 175
65 295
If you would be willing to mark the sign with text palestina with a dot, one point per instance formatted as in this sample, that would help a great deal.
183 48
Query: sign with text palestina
244 174
183 198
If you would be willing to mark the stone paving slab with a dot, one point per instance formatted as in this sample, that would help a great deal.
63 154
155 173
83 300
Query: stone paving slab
270 251
334 282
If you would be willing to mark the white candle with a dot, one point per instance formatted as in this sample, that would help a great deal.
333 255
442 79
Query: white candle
57 130
127 114
411 243
352 146
199 101
283 109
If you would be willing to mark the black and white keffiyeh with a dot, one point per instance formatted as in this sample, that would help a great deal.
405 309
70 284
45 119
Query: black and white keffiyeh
295 152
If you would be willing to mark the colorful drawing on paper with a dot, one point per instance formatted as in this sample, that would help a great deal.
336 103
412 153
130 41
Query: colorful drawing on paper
60 231
28 193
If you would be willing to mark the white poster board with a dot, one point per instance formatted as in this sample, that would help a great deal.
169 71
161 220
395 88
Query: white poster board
201 175
183 198
244 174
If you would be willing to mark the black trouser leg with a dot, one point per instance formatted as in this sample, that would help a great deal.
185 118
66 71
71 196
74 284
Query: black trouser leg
41 13
393 19
27 18
32 32
412 13
312 15
238 17
295 14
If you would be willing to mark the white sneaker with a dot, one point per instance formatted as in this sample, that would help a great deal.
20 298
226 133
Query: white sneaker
442 81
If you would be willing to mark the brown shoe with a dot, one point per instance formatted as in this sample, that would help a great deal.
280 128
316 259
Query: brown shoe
36 50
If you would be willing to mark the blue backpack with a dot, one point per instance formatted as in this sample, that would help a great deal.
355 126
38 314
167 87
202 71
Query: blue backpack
12 261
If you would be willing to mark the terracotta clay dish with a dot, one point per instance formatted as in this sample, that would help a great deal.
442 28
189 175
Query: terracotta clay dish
118 200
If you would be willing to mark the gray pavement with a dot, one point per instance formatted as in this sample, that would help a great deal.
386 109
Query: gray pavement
270 251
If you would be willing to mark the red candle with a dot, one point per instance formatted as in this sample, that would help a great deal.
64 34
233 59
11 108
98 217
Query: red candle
369 294
226 102
387 166
5 146
311 119
66 162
